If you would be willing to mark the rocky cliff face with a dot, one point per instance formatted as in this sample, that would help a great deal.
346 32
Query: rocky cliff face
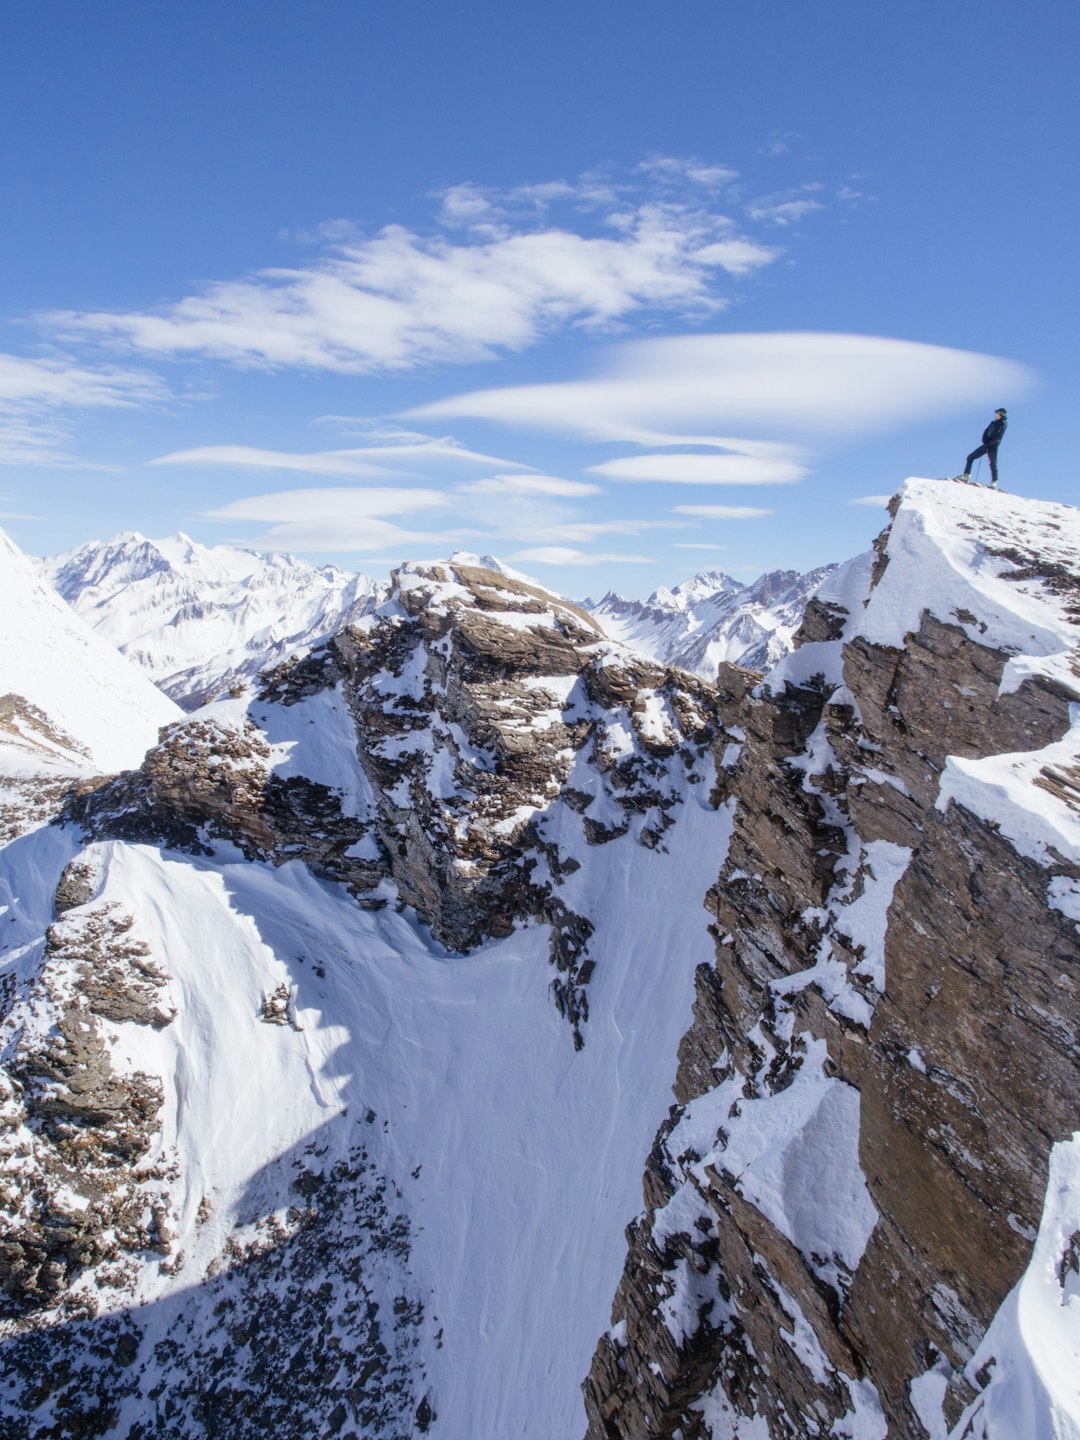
887 1047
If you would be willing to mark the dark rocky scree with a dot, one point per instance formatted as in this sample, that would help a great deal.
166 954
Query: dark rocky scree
458 690
982 986
84 1192
308 1325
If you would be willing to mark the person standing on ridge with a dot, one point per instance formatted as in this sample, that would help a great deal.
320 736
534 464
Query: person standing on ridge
991 439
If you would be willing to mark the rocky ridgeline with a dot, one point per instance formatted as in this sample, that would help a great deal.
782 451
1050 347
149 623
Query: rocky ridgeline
482 706
888 1043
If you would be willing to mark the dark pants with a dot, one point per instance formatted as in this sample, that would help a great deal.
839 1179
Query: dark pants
990 451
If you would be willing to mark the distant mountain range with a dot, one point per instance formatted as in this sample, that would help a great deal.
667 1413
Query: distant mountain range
200 619
713 618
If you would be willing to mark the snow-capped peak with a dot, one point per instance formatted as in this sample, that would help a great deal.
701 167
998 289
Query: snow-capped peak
713 618
72 699
200 619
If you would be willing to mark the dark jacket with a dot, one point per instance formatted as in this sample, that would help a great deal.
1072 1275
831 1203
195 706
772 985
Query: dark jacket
994 431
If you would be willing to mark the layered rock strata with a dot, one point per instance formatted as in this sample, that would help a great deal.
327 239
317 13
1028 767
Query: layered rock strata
888 1044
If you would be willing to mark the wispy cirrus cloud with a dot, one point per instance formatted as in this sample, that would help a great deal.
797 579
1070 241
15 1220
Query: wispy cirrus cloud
529 485
742 410
534 509
409 455
565 555
788 207
676 468
503 269
723 512
38 397
62 383
349 519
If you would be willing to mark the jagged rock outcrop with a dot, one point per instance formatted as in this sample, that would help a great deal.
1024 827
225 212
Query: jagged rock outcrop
82 1195
480 705
888 1045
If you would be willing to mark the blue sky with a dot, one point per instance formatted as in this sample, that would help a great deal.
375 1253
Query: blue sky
615 291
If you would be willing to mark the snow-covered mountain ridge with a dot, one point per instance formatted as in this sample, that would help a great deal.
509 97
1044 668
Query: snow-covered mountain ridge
863 1216
379 919
199 619
339 1032
713 619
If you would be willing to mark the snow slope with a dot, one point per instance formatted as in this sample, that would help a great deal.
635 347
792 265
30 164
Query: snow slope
519 1158
198 619
91 709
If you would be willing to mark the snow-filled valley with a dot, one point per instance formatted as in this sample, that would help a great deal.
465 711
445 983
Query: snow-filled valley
341 1020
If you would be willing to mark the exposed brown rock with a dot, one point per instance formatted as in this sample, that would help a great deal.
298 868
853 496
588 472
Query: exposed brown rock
968 1073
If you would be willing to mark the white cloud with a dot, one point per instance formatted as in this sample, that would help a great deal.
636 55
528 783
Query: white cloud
529 485
723 512
497 278
791 391
411 456
38 396
784 212
563 555
673 167
871 500
686 545
347 505
349 519
692 469
49 384
737 257
580 532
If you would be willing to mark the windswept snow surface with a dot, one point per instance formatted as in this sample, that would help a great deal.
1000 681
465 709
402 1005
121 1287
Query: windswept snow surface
198 618
519 1158
962 554
99 712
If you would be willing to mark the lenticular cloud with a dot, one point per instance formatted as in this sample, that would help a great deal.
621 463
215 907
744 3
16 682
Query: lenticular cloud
704 390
